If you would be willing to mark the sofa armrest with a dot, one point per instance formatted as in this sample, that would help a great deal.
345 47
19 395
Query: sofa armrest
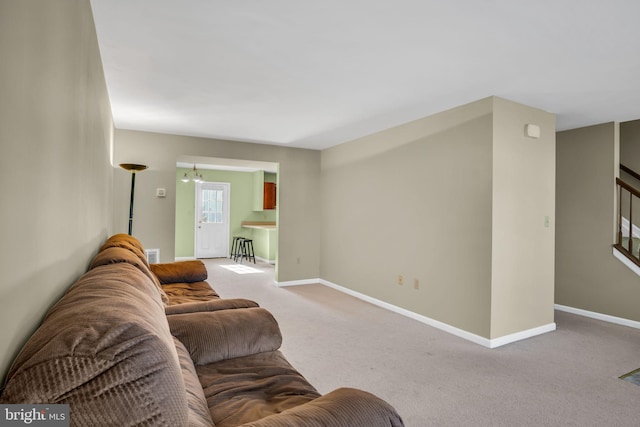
211 305
344 407
180 272
213 336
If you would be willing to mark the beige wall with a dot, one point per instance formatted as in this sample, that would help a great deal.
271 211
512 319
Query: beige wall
415 200
630 157
630 151
55 172
523 195
456 200
154 218
630 144
587 275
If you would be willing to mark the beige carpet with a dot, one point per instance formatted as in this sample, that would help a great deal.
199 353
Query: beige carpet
564 378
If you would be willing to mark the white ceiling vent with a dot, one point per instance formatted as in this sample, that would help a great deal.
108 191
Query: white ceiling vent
153 255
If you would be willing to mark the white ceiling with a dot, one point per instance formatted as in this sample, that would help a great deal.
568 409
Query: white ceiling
315 74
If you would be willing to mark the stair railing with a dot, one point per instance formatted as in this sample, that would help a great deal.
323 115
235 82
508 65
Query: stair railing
619 245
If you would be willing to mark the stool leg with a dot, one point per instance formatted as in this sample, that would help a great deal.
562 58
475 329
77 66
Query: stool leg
242 250
234 250
238 249
251 254
232 254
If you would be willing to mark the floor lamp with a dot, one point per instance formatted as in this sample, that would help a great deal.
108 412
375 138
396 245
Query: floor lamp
133 168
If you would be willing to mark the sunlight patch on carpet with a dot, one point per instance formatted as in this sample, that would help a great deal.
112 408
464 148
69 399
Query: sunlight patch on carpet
241 269
632 377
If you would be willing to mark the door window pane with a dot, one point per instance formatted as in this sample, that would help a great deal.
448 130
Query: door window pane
212 206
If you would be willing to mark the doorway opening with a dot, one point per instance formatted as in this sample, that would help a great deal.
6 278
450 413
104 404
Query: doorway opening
245 181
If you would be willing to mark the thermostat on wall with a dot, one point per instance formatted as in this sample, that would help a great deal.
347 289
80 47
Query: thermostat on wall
161 192
532 131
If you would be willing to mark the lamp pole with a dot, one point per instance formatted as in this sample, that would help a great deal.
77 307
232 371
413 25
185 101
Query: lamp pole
133 168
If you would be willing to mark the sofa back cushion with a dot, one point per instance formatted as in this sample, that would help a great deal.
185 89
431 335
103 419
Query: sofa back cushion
212 336
106 350
127 242
117 255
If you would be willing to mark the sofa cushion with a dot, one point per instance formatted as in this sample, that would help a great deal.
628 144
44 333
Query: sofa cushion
218 335
211 305
180 293
344 407
198 411
246 389
106 350
180 271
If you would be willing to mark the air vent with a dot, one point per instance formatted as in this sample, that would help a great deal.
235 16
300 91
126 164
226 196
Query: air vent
153 255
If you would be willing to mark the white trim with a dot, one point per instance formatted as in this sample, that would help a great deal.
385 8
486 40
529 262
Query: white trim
184 258
298 282
599 316
507 339
626 261
268 261
410 314
485 342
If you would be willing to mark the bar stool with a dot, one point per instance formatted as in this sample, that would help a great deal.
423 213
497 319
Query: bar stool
246 250
236 247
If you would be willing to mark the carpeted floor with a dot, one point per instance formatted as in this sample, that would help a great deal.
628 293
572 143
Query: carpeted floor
569 377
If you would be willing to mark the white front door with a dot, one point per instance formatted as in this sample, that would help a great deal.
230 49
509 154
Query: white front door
212 220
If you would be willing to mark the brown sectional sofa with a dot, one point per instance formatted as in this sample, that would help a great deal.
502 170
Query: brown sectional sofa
132 344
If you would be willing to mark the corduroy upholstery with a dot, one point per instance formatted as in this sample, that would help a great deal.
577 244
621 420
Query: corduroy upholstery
214 336
211 305
114 351
198 409
106 350
181 293
180 272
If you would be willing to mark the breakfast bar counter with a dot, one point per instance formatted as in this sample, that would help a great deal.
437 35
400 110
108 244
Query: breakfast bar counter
259 225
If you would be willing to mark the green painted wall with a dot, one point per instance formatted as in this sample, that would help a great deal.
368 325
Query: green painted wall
265 244
242 196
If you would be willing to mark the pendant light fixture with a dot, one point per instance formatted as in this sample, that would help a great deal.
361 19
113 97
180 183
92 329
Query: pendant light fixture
193 175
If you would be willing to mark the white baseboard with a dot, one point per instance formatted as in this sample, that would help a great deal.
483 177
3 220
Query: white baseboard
507 339
297 283
268 261
485 342
599 316
184 258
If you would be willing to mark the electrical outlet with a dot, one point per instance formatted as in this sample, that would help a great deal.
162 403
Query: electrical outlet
400 279
416 284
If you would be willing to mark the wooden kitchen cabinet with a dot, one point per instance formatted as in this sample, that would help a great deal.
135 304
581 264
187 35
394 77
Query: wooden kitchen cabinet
269 199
